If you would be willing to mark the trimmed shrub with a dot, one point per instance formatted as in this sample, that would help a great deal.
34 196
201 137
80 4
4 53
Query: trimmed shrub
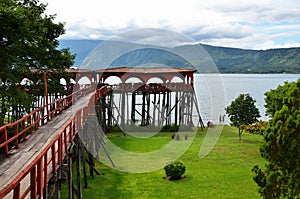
174 170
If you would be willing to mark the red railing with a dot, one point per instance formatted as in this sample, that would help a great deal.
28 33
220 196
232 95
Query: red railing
32 121
103 91
37 173
152 87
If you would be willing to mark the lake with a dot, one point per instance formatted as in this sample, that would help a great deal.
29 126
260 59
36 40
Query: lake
216 91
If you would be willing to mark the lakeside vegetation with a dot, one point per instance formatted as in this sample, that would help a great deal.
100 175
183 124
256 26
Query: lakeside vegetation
224 173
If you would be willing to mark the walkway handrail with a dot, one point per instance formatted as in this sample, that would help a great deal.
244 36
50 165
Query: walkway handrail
154 87
39 169
103 91
35 119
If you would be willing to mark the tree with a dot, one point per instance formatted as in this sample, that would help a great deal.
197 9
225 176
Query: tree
242 111
28 41
281 145
274 98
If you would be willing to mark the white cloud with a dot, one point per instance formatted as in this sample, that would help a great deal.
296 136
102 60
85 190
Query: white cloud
235 23
271 44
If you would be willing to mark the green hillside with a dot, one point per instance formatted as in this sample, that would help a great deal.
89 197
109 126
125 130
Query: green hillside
283 60
227 60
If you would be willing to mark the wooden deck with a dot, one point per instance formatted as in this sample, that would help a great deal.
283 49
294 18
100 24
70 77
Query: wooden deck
19 159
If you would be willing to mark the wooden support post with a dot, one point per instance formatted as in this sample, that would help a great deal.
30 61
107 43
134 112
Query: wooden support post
16 194
180 108
168 108
23 127
16 133
159 110
198 111
83 165
46 93
65 139
127 110
184 113
45 189
33 183
5 139
60 150
176 108
70 176
163 109
133 108
148 108
154 112
143 122
123 110
92 165
191 108
104 124
109 110
53 159
78 170
39 180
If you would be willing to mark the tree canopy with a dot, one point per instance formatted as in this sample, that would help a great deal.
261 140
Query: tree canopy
281 145
274 99
28 41
242 111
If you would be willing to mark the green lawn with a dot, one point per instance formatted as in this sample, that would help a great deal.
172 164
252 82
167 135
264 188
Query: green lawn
224 173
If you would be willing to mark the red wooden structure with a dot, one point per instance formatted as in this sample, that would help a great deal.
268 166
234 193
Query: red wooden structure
159 102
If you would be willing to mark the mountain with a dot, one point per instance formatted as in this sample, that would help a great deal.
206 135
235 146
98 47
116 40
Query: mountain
282 60
227 60
79 47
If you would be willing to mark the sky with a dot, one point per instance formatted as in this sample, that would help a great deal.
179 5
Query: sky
247 24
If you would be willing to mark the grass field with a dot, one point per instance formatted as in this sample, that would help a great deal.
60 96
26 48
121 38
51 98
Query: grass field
224 173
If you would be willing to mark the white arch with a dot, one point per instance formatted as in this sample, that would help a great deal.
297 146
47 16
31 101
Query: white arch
84 81
113 80
133 80
156 80
177 79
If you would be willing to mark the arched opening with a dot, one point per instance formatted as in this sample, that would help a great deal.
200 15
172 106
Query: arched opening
84 81
113 80
155 80
134 80
177 79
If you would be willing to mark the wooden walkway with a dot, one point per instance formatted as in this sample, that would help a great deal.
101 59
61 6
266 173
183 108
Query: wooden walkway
18 160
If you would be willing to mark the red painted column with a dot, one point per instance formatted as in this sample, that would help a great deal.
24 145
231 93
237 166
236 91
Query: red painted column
39 178
46 93
33 183
16 194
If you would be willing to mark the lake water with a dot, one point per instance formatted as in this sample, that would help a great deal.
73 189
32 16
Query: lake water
216 91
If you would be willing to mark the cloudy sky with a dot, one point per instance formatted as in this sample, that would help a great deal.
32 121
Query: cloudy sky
248 24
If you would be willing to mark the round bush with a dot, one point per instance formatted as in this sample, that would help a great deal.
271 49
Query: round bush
174 170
